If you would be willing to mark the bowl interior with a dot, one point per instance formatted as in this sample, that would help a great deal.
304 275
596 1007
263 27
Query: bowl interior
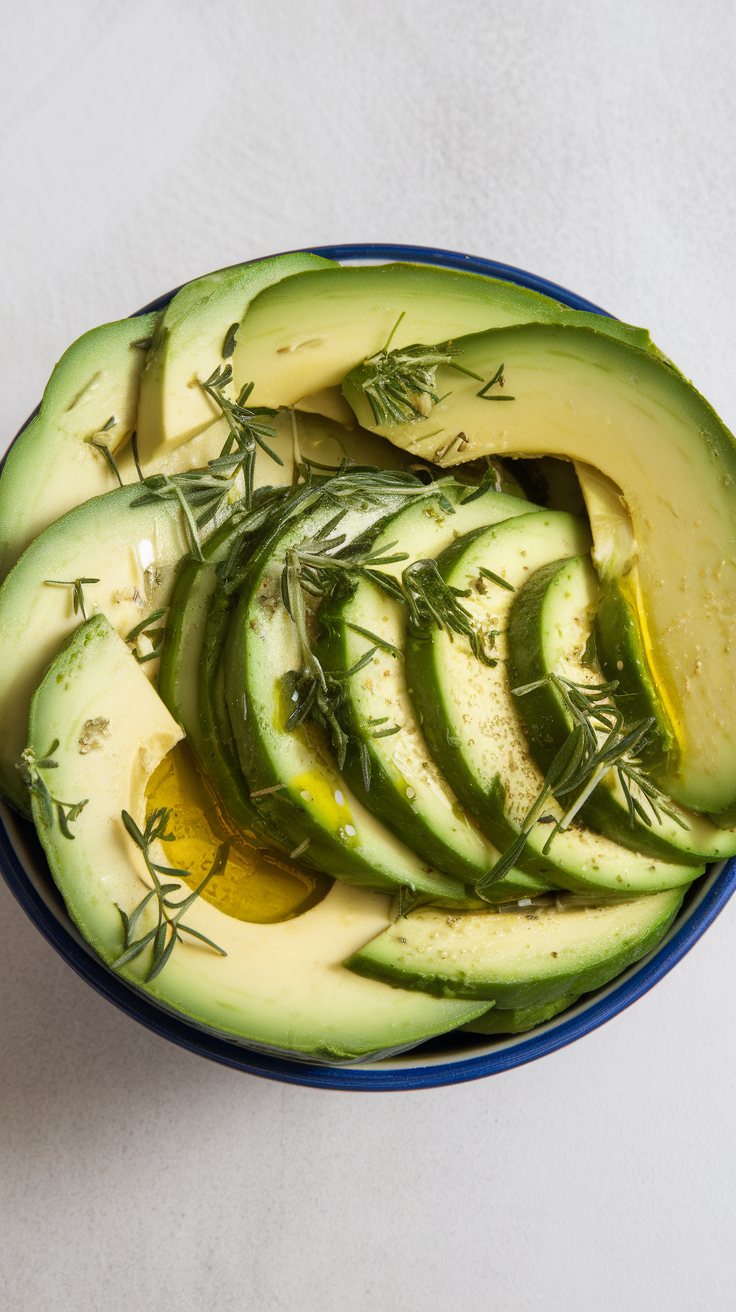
451 1058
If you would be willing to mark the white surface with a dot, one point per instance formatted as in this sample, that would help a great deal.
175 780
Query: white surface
149 142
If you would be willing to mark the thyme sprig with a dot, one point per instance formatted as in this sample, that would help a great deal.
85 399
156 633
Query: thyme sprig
599 741
30 768
401 384
78 592
169 928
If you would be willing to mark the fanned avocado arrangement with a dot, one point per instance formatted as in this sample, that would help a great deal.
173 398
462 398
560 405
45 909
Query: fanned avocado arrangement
366 651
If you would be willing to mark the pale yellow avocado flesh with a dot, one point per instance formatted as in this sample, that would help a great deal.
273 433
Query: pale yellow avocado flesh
188 347
306 332
580 394
281 985
91 396
132 552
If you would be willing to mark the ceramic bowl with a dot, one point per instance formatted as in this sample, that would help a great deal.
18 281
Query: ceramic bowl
450 1059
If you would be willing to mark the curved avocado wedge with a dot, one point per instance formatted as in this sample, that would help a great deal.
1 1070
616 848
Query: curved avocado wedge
581 394
517 959
549 633
125 557
517 1020
291 774
194 337
473 728
52 466
305 333
407 791
281 986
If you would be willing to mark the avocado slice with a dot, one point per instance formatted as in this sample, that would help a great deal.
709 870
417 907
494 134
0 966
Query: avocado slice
52 466
132 552
306 332
305 794
549 632
517 958
472 725
517 1020
194 337
581 394
281 986
407 791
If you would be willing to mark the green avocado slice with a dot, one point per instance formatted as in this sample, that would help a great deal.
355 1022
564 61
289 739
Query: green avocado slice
549 632
52 466
306 332
517 1020
473 728
573 392
131 552
194 337
407 791
517 959
305 795
281 986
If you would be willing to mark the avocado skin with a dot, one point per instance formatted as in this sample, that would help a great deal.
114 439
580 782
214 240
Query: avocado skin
621 651
520 993
545 723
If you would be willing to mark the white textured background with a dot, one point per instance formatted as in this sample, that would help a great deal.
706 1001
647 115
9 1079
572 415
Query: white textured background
145 143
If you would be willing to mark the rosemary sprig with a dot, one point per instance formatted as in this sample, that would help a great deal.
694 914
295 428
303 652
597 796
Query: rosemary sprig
78 593
599 741
156 634
246 430
169 928
499 379
30 768
102 446
401 384
434 603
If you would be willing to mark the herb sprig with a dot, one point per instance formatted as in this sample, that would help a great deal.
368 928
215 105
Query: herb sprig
401 384
30 768
78 592
169 928
599 741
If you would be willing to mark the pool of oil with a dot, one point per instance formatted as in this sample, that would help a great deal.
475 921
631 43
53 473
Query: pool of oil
258 884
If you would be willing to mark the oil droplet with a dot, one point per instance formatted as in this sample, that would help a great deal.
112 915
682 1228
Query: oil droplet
258 885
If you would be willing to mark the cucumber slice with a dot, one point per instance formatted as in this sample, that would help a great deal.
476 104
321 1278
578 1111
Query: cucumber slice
473 727
281 986
407 792
311 800
516 959
131 550
52 467
549 631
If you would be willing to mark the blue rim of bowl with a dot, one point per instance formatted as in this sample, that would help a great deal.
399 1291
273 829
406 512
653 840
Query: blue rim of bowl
379 1076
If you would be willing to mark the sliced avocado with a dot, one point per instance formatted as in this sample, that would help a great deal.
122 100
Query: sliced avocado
130 551
52 466
517 959
306 332
549 632
281 986
190 676
581 394
473 727
407 791
517 1020
195 336
305 795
